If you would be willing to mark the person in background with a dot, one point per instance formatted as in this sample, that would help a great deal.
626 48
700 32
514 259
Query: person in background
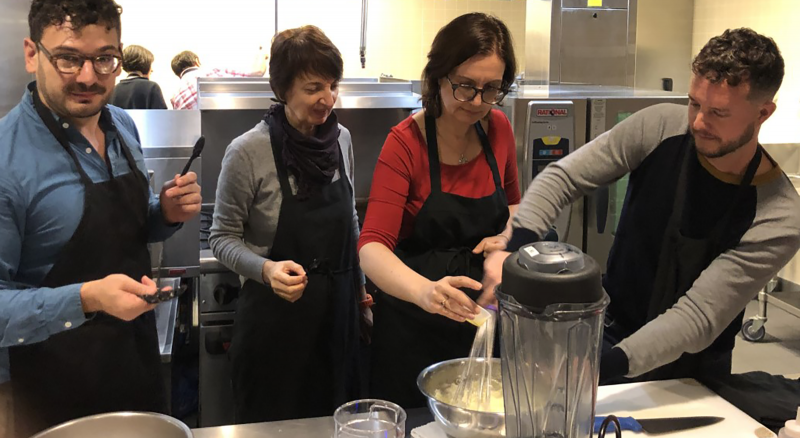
285 220
186 66
76 214
442 193
709 217
137 91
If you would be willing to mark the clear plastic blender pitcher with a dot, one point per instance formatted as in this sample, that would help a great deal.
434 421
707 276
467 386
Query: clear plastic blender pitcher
552 306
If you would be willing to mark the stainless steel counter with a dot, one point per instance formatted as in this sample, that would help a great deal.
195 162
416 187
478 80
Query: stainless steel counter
307 427
321 427
666 398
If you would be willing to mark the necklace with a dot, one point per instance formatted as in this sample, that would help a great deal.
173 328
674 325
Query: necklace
462 157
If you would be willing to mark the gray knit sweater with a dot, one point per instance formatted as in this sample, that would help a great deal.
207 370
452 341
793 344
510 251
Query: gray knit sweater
249 201
765 230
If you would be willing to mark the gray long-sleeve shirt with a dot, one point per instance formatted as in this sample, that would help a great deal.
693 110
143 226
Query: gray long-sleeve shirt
765 230
249 201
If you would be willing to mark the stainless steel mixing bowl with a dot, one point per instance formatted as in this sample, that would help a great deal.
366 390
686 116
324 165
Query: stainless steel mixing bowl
120 425
458 422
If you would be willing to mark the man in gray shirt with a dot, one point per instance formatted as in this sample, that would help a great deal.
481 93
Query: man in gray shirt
708 217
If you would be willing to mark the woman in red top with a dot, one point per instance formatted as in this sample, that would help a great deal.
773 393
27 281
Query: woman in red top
443 190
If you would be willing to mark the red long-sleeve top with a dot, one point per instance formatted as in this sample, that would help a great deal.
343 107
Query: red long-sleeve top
401 182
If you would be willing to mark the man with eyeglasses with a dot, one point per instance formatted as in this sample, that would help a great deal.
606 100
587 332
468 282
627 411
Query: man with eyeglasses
76 214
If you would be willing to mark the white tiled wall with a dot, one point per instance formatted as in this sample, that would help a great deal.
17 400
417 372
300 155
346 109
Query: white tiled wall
664 43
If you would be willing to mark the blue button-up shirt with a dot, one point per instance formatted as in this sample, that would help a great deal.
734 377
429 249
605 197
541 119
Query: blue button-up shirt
41 204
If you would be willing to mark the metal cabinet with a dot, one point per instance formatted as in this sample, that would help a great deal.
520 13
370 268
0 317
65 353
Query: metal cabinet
594 46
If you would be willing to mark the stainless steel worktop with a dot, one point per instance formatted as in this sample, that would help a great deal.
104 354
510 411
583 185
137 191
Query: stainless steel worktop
307 427
666 398
321 427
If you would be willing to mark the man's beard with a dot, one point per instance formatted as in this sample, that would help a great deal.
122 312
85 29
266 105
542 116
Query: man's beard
58 102
731 146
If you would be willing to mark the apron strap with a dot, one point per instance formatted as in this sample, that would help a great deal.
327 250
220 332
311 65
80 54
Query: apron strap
487 150
433 154
747 179
277 145
57 130
689 151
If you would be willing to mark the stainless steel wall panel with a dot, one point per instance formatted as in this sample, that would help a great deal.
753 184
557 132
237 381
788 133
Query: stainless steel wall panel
167 138
593 46
571 42
13 29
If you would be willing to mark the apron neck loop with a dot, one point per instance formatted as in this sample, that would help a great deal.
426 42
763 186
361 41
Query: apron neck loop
689 151
487 150
433 154
60 135
56 130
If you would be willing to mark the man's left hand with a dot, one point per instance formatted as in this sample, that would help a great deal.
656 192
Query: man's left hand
180 198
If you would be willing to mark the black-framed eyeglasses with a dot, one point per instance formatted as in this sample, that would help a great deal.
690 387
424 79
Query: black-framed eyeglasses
70 63
466 93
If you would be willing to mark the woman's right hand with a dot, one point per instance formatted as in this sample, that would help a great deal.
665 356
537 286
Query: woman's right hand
444 298
287 279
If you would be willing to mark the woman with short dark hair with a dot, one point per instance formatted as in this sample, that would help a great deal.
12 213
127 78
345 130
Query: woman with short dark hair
442 193
285 221
137 91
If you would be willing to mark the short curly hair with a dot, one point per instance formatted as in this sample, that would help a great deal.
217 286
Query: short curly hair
79 13
742 56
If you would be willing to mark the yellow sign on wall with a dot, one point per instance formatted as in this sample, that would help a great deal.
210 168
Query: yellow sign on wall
595 3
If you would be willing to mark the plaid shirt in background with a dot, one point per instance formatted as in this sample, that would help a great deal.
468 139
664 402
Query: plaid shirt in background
186 97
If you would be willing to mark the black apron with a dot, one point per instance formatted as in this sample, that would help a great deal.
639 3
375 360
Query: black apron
406 338
681 261
300 360
106 364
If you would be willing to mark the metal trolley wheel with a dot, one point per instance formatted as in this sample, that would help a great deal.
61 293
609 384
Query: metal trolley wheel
753 334
753 329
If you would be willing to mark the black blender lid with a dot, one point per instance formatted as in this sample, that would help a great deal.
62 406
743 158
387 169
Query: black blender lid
551 257
545 273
